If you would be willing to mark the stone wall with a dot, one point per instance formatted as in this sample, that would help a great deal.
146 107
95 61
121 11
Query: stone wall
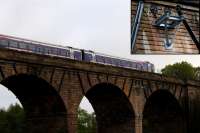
54 87
150 39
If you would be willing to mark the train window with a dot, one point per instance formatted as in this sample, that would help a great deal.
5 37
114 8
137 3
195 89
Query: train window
54 51
59 51
62 52
150 68
139 66
13 44
117 62
145 67
126 64
3 43
122 63
47 50
114 62
133 65
22 45
39 49
77 55
87 56
31 47
129 64
100 59
108 60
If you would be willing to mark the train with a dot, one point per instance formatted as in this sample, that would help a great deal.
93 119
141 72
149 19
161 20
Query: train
21 44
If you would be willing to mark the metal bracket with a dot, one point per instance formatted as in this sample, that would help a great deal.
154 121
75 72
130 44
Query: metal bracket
168 21
168 44
180 13
136 24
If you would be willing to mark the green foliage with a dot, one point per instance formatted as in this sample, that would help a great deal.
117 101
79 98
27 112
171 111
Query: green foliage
181 70
197 73
86 122
12 120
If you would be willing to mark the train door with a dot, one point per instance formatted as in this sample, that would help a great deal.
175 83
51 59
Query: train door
76 54
88 56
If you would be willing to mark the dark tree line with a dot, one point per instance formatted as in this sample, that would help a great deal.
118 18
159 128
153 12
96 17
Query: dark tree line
186 71
12 120
182 70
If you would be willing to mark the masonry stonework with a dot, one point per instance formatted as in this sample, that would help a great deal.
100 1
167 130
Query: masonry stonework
150 39
51 89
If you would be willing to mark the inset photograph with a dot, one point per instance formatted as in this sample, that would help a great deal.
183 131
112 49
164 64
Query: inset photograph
165 27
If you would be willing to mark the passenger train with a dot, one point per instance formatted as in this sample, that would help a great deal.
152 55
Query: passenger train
72 53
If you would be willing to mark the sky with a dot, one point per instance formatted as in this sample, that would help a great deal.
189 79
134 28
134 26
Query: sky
99 25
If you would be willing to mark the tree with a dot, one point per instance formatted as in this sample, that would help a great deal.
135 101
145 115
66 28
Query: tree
181 70
12 119
86 122
197 73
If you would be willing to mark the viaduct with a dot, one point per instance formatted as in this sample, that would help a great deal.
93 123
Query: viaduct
125 101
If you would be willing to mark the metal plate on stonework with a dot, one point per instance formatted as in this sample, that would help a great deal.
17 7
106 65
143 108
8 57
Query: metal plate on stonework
168 44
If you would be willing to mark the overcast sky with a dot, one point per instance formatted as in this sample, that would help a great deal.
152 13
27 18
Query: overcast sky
98 25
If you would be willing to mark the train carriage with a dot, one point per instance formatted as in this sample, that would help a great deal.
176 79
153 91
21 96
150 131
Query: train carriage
72 53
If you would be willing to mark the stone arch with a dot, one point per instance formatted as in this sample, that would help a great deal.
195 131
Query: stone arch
163 114
114 112
43 106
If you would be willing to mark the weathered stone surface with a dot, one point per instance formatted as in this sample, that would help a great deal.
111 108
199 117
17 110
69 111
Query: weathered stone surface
150 39
51 89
